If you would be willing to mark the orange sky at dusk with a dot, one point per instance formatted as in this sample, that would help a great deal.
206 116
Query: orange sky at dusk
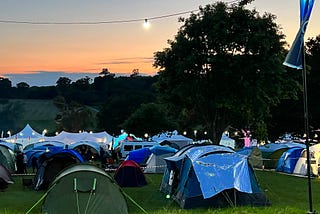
122 47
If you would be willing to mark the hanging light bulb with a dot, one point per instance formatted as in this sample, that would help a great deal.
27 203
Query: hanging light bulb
146 24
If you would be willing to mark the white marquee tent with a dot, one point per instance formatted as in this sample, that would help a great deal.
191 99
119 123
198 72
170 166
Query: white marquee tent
103 138
26 136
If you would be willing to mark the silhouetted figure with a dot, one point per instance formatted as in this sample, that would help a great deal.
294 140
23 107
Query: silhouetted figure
25 162
19 161
34 164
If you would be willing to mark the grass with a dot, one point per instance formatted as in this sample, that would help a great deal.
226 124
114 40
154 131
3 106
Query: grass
39 114
288 195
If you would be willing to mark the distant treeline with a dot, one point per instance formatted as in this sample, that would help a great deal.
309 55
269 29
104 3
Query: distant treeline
85 91
113 98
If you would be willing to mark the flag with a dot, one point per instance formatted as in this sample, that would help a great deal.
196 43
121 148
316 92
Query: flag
294 57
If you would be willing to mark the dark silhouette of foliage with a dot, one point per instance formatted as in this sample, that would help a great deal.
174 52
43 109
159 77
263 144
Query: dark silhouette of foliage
73 117
288 117
149 118
5 86
10 113
224 68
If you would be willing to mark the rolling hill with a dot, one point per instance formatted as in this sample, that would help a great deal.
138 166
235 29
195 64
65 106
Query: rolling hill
39 114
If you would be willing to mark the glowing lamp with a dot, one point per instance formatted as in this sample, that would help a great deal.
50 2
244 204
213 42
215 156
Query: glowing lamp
146 24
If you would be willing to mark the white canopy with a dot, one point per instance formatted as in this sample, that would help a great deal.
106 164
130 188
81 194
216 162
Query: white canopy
26 136
102 138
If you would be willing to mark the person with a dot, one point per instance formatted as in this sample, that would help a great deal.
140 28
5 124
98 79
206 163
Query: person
34 164
25 162
19 162
114 156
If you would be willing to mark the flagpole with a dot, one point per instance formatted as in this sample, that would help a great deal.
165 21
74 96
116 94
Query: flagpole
296 58
306 127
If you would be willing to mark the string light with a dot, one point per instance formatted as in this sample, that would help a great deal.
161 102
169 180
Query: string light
145 20
146 24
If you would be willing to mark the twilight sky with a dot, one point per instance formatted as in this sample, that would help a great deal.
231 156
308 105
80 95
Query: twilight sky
30 51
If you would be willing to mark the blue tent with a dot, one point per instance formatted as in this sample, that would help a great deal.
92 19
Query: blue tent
139 155
160 150
211 175
272 152
52 163
38 151
288 160
43 144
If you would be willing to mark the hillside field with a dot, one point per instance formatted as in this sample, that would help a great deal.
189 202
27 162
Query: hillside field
39 114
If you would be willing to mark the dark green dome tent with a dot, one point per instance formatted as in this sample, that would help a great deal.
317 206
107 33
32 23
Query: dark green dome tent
7 158
84 189
5 177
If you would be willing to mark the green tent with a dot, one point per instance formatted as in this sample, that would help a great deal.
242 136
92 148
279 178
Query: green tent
7 158
84 189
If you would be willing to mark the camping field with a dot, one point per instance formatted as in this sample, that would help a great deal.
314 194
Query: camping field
288 194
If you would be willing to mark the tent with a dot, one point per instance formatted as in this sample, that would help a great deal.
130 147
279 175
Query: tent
52 163
272 152
211 175
301 165
156 162
254 156
227 141
172 139
7 158
43 144
103 138
26 136
5 177
117 141
139 156
129 174
288 160
88 149
38 151
84 189
15 147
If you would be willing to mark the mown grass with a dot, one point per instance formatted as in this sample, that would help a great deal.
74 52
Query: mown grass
288 195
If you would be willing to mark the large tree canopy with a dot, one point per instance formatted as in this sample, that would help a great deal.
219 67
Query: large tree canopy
224 68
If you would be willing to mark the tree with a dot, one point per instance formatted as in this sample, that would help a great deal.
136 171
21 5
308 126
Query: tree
82 83
10 114
313 62
63 83
149 118
224 67
105 72
5 87
73 117
135 72
23 85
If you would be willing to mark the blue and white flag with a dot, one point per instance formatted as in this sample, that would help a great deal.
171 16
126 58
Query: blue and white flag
294 57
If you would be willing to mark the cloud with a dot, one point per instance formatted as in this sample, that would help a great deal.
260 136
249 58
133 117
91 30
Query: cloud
128 60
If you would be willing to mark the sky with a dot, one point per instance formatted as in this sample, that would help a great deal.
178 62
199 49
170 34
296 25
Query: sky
41 53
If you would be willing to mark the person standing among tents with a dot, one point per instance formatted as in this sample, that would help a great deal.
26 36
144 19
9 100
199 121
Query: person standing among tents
25 162
34 164
19 162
